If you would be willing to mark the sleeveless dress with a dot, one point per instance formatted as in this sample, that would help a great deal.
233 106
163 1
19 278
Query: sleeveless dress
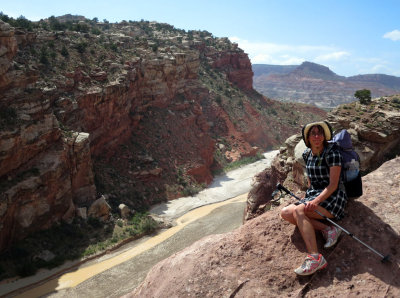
318 173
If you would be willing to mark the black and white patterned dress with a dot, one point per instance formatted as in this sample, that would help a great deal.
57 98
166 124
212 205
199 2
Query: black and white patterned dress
318 173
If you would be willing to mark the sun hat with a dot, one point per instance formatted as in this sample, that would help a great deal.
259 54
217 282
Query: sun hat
325 126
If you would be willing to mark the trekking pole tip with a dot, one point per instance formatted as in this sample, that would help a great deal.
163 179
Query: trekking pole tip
386 259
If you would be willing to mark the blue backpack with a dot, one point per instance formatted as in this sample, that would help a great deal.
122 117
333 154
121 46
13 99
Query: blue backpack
350 173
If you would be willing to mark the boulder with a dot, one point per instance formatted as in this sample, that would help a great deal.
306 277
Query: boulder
124 210
100 209
81 212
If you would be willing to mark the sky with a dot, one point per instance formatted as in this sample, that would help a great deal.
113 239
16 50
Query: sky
350 37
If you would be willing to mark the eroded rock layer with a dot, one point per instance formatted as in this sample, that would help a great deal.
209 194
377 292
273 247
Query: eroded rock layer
140 112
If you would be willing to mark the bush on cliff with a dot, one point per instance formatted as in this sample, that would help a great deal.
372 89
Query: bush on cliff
364 96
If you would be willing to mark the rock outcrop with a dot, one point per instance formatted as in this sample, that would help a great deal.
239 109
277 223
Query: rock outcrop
257 260
374 128
375 133
316 84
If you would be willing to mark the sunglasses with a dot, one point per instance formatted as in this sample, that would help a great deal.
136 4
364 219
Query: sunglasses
316 134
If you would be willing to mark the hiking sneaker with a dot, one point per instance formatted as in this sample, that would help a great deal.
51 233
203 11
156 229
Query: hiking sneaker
311 265
331 236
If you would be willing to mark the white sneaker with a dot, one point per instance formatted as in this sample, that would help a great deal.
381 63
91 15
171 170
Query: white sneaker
311 265
331 236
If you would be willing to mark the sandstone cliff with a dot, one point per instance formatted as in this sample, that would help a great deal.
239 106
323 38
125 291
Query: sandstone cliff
140 111
316 84
45 174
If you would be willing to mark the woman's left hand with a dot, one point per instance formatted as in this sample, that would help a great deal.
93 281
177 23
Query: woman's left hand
311 206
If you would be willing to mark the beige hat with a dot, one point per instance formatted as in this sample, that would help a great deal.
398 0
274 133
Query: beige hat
324 124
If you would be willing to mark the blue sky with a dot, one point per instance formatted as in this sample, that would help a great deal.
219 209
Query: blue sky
349 36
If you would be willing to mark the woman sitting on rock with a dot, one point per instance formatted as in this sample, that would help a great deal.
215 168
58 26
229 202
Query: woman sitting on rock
324 193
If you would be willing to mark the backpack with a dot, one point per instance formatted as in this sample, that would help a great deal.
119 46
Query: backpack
350 173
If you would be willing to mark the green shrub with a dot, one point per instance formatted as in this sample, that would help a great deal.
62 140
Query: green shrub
114 47
8 116
56 25
94 222
25 268
364 96
148 225
95 31
64 52
44 56
143 224
191 190
84 28
81 47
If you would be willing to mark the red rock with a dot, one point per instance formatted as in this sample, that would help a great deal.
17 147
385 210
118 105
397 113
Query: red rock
257 259
153 102
99 76
237 66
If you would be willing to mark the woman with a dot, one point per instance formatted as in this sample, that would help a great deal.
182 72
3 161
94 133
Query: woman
324 194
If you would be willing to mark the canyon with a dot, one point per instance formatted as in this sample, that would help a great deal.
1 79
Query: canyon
94 115
132 112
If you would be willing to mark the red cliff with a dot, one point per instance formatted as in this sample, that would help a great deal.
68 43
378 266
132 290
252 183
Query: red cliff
147 120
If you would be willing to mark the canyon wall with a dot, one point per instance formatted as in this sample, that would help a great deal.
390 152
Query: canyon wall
44 174
139 111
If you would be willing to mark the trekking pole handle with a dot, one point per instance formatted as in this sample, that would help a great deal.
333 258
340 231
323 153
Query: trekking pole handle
281 187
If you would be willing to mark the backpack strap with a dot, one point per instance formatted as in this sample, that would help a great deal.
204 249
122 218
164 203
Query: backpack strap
331 146
306 155
335 146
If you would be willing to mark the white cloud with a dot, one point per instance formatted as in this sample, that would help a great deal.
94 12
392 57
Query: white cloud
280 60
332 56
284 54
393 35
379 68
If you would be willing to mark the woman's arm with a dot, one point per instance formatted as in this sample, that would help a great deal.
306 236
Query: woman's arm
334 175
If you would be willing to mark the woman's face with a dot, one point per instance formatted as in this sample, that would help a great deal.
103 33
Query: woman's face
316 136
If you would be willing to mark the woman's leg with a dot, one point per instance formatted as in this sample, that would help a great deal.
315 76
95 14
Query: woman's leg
307 222
306 228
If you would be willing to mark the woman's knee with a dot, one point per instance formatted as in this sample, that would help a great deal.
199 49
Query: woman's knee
299 211
287 213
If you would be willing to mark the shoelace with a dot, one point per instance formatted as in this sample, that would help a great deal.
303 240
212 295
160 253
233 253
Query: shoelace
327 234
307 263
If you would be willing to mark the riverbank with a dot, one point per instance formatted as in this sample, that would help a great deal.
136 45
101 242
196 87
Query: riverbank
223 187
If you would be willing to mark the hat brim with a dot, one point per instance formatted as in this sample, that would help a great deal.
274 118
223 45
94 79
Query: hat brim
325 126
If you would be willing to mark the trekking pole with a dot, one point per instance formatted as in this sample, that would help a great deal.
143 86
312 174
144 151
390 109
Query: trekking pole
384 258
